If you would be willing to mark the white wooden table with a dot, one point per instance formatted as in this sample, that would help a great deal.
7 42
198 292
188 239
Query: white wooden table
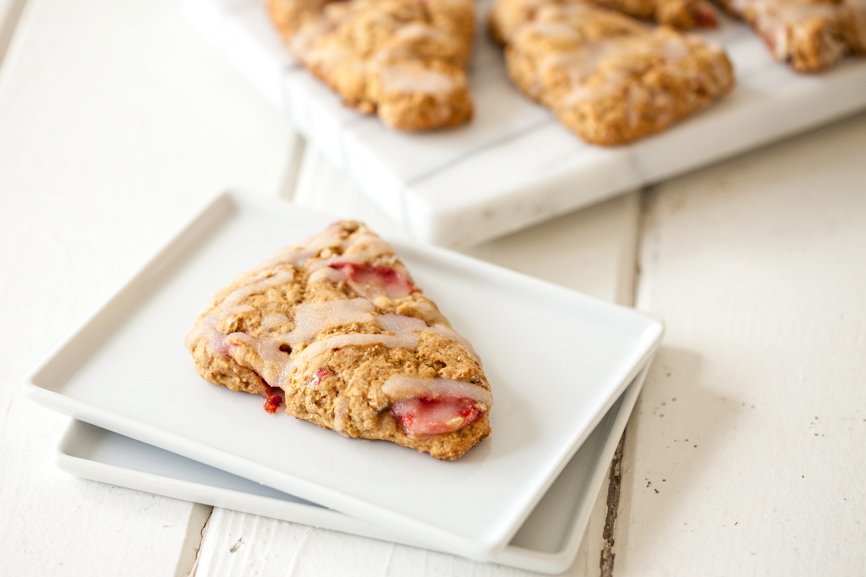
744 455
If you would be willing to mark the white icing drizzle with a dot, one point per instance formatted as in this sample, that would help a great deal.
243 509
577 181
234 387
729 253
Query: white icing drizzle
207 326
400 387
231 302
327 274
408 340
341 413
387 322
580 64
401 324
418 31
554 12
552 30
793 11
670 50
278 362
313 318
274 320
364 247
276 370
407 80
298 256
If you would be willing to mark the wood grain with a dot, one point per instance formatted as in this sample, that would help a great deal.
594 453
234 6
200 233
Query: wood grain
743 455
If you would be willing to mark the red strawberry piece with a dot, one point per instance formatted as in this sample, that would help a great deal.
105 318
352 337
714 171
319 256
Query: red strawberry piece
365 279
273 400
705 16
427 416
319 376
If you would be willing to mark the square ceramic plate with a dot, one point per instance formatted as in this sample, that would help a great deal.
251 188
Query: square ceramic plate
547 541
514 164
556 361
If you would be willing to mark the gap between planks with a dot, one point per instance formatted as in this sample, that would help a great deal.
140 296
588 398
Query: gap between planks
196 529
629 284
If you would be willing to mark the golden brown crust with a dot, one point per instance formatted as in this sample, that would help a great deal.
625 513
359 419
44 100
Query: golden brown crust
330 324
404 60
606 76
680 14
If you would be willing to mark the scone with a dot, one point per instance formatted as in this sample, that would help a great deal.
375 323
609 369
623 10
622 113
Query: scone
404 60
808 35
337 330
608 77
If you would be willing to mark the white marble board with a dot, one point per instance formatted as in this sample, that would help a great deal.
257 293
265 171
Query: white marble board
514 165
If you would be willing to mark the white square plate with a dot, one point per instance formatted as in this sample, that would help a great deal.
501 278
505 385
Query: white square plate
556 361
547 541
514 164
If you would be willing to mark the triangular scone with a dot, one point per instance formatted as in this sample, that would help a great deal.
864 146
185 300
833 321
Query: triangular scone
607 76
337 329
808 35
404 60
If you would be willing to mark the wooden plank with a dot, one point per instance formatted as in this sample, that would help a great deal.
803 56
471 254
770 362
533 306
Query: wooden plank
592 251
744 456
116 124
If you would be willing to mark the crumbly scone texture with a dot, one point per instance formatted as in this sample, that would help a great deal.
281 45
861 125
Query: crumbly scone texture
808 35
680 14
608 77
404 60
338 329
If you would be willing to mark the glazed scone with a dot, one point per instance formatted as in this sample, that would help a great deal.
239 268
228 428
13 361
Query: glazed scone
337 330
808 35
404 60
608 77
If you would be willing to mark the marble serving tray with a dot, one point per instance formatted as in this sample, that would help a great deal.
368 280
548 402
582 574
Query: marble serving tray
514 165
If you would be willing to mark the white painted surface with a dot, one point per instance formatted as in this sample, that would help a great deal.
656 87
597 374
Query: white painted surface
746 451
116 122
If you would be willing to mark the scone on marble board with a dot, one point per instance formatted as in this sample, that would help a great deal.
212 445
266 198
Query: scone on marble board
608 77
403 60
808 35
337 331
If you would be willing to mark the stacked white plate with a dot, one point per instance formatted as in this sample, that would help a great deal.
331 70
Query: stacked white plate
565 371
